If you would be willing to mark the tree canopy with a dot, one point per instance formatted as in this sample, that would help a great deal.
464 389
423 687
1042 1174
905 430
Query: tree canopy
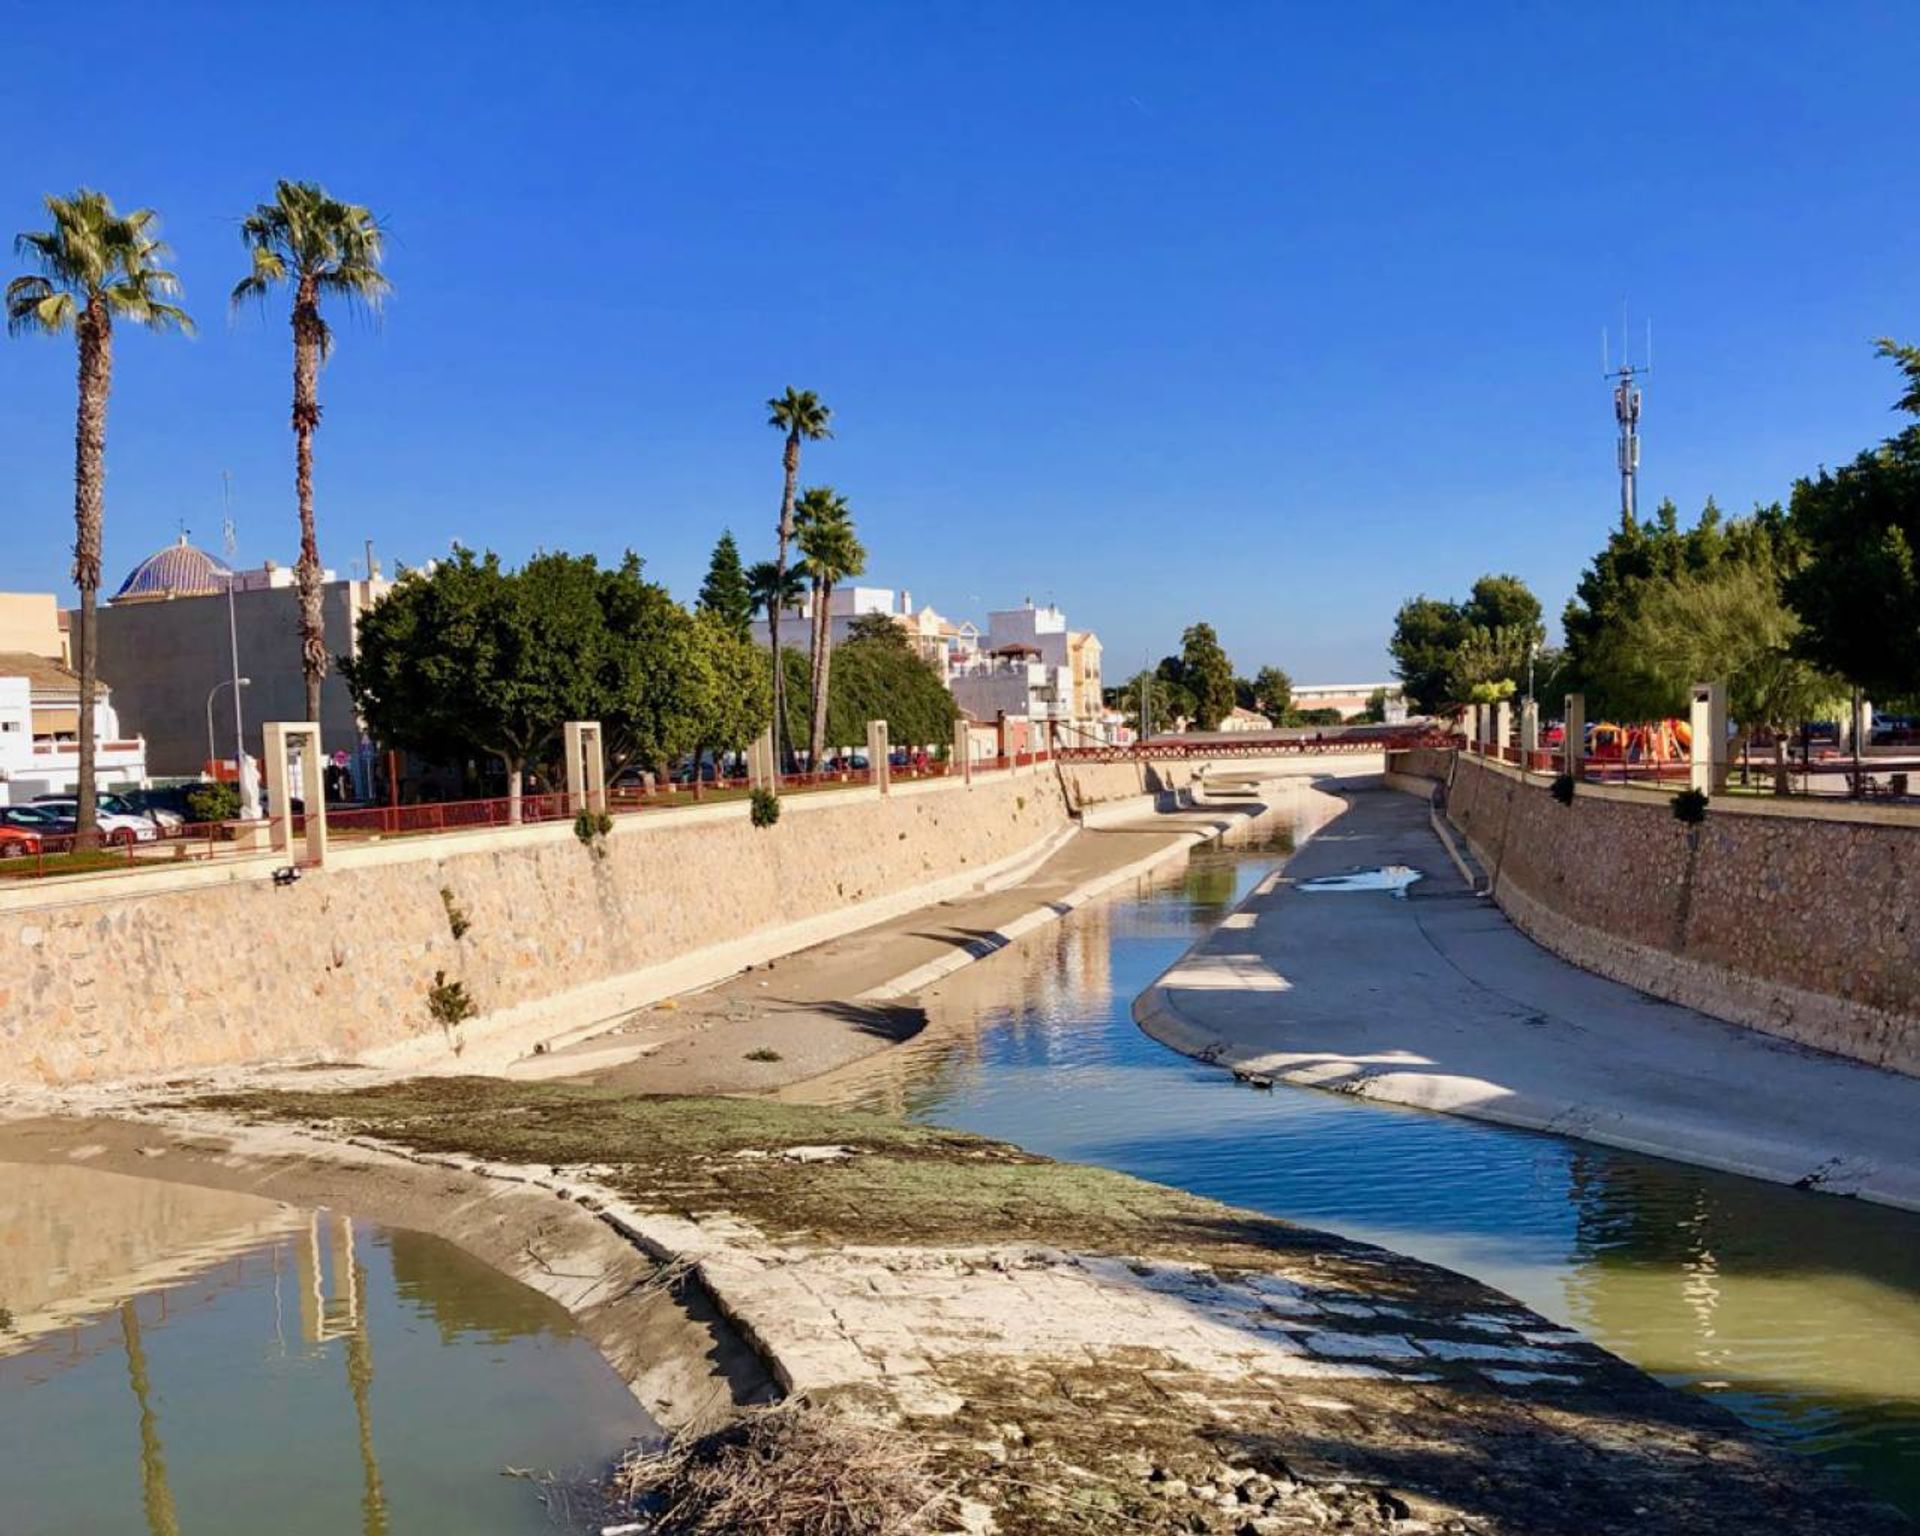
1858 589
1445 652
1273 694
725 593
467 658
877 675
1207 675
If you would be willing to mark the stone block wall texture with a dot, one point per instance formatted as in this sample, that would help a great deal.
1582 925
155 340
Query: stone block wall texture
117 985
1802 927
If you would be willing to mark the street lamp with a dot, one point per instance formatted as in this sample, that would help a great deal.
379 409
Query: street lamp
235 683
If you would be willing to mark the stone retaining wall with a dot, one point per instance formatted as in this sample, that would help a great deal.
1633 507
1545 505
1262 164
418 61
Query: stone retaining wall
167 972
1804 926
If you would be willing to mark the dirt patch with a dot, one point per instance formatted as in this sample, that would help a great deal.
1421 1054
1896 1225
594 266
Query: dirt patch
1078 1351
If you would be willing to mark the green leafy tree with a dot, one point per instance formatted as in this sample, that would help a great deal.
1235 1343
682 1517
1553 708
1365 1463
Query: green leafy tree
93 267
1444 651
725 593
1859 588
1376 710
323 249
878 675
833 553
1729 622
469 658
800 417
649 693
1148 702
1427 635
1273 694
734 701
1207 674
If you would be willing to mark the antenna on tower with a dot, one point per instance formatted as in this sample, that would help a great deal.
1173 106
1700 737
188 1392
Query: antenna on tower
1626 413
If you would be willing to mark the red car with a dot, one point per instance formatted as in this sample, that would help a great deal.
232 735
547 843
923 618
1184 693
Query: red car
17 842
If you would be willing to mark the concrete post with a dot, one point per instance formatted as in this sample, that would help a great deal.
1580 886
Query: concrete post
1502 728
1707 753
877 758
1573 746
962 751
760 773
1482 726
586 766
1529 731
284 740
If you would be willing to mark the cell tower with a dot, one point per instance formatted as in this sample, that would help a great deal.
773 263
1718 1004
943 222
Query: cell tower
1626 411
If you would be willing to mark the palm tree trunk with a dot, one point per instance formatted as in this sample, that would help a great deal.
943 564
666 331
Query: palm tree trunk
95 330
818 603
822 659
773 613
307 335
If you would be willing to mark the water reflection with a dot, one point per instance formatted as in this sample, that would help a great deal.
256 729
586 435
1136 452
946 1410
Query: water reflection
356 1402
1799 1312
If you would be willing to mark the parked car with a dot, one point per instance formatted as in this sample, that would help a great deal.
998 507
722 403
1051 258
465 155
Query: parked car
167 808
40 819
164 819
118 826
17 842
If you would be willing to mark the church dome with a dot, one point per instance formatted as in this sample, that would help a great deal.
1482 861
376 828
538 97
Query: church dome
179 570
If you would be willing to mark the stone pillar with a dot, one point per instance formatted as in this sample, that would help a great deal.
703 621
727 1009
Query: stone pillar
962 750
1529 731
586 766
1707 754
760 774
1502 728
1573 746
877 759
285 739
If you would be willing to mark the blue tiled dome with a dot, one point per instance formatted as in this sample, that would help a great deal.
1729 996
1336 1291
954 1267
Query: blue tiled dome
179 570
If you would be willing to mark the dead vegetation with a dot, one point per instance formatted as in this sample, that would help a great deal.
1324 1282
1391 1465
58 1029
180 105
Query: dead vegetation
790 1470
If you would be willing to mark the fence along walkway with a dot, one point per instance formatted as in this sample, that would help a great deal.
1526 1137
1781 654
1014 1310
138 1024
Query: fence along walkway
58 854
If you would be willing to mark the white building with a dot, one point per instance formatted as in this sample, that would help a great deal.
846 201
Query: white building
1350 699
1030 650
40 733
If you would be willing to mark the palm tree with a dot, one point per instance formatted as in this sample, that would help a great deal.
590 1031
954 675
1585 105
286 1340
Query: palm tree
771 590
800 415
824 530
95 265
325 249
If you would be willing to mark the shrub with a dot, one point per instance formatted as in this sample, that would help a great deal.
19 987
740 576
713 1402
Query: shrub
764 1053
1562 789
213 802
765 809
1690 806
457 920
449 1002
592 827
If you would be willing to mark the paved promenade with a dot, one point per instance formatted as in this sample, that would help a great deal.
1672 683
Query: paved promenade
1436 1000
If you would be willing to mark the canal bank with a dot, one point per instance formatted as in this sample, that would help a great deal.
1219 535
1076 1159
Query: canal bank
1072 1348
1427 996
1061 1307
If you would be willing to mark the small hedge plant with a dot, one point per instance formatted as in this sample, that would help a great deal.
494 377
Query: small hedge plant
1562 789
765 808
1690 806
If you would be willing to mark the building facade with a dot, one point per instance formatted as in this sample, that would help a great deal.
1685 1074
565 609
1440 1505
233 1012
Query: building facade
164 640
40 710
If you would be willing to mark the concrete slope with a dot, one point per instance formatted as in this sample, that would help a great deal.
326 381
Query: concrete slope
1435 1000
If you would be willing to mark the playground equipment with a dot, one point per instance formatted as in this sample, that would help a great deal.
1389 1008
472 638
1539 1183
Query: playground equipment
1654 743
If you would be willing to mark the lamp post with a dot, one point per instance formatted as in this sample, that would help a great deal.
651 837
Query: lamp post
235 683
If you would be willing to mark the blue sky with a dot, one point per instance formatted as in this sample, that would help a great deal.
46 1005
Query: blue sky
1266 314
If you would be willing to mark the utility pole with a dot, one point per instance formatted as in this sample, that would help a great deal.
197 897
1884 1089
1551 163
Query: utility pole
244 779
1626 413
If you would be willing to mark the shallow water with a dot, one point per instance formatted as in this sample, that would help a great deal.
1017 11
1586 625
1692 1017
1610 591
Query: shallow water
1798 1312
180 1360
